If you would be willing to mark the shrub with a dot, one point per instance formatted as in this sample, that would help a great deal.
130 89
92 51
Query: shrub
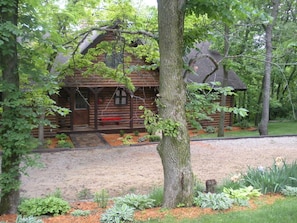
273 179
61 136
243 124
136 133
101 198
64 144
29 219
127 140
210 129
214 201
289 191
84 194
157 195
118 214
139 202
154 138
44 206
243 193
122 133
80 213
198 187
231 183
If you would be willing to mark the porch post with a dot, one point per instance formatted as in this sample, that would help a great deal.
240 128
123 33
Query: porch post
96 92
71 91
131 111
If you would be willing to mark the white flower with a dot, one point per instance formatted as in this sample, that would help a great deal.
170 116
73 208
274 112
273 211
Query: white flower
235 178
279 161
261 168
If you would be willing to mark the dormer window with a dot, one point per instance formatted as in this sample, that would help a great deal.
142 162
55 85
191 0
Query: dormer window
120 97
113 60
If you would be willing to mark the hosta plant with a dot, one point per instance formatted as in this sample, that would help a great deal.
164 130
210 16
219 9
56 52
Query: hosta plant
139 202
214 201
29 219
81 213
242 193
118 214
289 191
44 206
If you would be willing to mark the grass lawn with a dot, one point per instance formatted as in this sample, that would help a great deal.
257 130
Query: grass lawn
274 129
282 211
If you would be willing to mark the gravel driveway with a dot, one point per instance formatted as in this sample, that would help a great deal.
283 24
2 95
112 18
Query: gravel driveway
138 168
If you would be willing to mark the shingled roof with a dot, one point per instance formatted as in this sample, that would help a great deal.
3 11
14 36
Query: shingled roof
201 57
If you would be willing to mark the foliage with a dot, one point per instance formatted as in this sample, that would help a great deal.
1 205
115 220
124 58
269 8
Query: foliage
243 124
139 202
198 187
157 195
136 133
29 219
118 214
242 193
84 194
44 206
64 144
101 198
210 129
153 123
80 212
202 101
127 140
289 191
61 136
122 133
214 201
272 179
153 138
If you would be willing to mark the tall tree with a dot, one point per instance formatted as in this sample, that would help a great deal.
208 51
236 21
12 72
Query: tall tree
9 67
263 126
174 150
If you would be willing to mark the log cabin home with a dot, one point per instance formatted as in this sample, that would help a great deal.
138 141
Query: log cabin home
101 104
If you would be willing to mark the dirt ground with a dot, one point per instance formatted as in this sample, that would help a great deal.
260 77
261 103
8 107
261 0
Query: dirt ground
137 169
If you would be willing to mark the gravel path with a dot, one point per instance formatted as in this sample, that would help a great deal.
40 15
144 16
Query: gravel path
138 168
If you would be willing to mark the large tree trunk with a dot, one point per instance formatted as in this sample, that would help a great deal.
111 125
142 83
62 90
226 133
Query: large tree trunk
174 151
10 177
263 126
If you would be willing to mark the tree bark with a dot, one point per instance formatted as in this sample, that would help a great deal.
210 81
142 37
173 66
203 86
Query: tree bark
263 126
223 104
224 84
10 177
174 151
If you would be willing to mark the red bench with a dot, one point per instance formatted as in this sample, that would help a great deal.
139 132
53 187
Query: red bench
115 119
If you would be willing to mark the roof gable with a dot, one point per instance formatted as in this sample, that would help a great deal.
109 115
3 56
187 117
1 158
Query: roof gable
202 58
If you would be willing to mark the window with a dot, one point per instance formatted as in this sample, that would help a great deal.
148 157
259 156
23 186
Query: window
114 59
81 100
120 97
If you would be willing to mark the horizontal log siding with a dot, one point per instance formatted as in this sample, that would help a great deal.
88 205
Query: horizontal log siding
48 130
64 102
216 117
142 78
143 97
107 108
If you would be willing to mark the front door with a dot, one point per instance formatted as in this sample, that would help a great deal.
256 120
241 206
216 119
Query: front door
81 108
